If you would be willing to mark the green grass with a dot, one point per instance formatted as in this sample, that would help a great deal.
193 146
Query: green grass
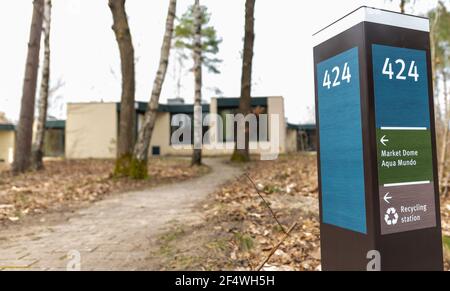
166 247
172 235
245 242
219 245
270 189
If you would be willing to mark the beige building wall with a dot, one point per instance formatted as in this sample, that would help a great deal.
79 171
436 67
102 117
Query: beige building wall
91 130
277 130
161 134
291 141
7 139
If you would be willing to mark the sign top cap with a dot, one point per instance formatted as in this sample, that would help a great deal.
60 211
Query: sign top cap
373 15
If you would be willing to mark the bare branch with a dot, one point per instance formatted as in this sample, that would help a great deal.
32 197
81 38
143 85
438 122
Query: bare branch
266 203
277 246
56 87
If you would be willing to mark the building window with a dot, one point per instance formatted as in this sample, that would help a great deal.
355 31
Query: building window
156 151
230 131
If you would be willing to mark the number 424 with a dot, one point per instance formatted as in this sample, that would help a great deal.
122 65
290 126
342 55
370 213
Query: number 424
336 72
401 65
388 69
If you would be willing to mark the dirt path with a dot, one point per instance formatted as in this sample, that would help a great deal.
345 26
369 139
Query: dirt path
113 234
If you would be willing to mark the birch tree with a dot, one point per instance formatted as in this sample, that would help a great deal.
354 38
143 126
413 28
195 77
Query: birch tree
243 155
140 156
197 153
193 36
22 148
127 111
38 146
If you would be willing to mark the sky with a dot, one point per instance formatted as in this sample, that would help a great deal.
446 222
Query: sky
85 56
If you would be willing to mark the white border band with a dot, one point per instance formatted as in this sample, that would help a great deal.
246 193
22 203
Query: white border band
368 14
405 128
406 184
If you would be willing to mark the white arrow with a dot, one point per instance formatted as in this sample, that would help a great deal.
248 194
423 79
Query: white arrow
387 198
383 140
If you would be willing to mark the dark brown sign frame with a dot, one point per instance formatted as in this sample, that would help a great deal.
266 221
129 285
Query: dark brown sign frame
344 249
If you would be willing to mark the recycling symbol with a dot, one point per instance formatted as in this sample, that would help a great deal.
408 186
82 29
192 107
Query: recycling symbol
391 216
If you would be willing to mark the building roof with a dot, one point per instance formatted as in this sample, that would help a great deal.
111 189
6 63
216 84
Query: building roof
181 108
189 108
141 107
307 126
292 126
7 127
234 102
55 124
50 124
301 126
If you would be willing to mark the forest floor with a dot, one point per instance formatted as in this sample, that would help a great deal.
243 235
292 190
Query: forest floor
66 185
115 233
239 231
217 221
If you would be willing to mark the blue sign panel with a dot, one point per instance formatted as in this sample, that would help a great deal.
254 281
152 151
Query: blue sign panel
401 87
341 146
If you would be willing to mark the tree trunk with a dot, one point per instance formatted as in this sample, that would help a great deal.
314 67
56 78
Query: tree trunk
443 158
38 146
243 155
402 6
440 121
197 153
127 111
22 151
140 156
